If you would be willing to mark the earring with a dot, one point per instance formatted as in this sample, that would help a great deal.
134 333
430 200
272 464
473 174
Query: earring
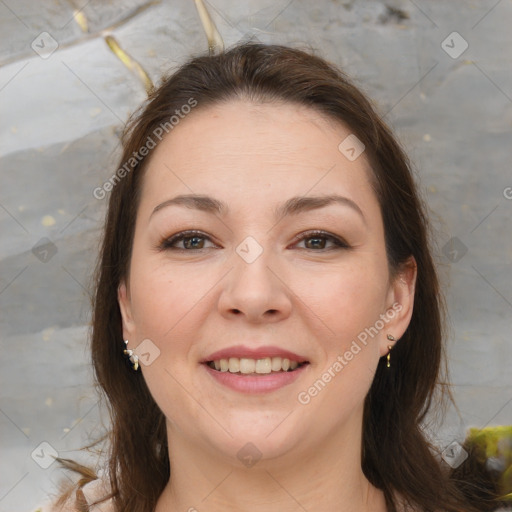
134 359
388 357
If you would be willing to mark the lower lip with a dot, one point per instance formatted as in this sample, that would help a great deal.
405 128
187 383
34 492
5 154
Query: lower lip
260 384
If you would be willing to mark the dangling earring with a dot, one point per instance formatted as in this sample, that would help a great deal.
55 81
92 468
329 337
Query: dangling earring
388 357
134 359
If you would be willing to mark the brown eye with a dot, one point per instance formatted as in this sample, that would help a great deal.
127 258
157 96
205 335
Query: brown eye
193 242
317 242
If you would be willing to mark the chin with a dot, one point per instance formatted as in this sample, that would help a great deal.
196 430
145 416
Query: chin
263 435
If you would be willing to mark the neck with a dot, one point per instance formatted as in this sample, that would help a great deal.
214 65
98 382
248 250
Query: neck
326 477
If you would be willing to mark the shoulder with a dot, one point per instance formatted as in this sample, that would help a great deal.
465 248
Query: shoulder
81 499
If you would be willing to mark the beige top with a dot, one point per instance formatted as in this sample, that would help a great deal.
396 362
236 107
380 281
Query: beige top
91 492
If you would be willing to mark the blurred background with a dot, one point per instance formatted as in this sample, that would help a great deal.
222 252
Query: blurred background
439 72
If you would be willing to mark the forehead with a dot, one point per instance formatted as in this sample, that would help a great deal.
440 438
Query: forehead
255 152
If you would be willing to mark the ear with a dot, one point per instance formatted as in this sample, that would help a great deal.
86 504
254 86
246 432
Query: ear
400 303
123 298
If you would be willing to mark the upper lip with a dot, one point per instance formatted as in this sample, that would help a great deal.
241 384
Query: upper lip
241 351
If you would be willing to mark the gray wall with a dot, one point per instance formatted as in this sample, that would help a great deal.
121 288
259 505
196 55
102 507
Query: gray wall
61 114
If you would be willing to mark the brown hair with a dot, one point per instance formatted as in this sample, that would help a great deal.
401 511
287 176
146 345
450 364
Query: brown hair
396 457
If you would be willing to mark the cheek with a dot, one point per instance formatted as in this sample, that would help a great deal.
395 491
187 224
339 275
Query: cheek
171 305
347 298
347 305
161 297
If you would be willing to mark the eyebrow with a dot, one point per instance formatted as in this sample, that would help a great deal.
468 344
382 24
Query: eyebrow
198 202
293 206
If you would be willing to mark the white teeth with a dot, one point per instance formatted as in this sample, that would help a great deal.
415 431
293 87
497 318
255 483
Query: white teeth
234 364
260 366
276 364
264 365
247 365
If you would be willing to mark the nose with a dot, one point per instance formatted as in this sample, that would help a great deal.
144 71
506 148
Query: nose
255 291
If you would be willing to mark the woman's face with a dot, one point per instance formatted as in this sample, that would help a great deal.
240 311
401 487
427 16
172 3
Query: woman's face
255 278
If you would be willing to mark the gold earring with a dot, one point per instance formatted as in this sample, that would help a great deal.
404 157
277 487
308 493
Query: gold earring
134 359
388 357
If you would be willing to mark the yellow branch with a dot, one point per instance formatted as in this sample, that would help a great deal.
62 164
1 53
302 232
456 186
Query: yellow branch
215 41
129 62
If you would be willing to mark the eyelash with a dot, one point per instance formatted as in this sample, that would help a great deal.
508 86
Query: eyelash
168 243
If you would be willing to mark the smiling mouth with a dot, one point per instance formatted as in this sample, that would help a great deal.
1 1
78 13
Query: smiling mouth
263 366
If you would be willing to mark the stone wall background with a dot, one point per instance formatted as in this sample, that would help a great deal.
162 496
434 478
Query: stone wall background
61 114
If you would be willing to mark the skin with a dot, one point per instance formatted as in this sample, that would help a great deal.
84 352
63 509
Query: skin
301 295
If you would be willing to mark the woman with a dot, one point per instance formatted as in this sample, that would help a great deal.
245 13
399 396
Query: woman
266 270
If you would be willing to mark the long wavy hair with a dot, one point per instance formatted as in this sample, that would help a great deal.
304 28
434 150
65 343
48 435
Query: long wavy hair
396 456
